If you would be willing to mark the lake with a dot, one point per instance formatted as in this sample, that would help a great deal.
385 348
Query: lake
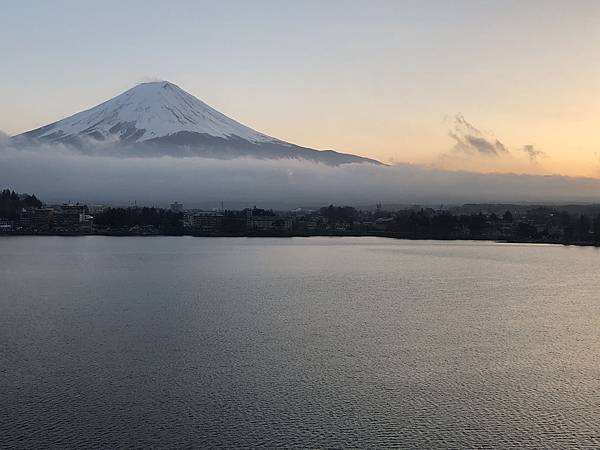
297 342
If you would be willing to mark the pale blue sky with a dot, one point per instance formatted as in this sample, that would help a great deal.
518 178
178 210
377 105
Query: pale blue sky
378 78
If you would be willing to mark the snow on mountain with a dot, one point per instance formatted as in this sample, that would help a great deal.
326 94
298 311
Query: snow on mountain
161 118
155 109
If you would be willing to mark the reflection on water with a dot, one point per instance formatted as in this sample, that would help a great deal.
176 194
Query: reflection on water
308 342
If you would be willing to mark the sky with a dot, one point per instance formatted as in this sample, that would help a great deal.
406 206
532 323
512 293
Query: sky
508 86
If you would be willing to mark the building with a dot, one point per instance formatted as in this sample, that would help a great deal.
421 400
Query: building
86 224
6 226
26 218
203 221
40 219
176 207
309 223
97 209
69 216
266 223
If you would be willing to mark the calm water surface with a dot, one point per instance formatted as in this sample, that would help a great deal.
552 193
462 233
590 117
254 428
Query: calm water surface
307 342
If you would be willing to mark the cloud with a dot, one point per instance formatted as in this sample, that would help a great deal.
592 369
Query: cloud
533 153
57 174
150 79
470 140
478 150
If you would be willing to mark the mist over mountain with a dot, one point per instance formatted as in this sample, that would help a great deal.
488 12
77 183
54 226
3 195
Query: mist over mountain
160 119
57 173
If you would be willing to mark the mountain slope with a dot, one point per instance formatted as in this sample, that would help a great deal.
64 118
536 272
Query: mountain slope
159 118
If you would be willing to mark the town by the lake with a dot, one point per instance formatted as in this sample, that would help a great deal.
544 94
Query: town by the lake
577 224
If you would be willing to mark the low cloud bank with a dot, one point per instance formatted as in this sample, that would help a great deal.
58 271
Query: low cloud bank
56 173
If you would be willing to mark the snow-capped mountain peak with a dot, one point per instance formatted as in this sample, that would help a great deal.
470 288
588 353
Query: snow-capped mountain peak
148 111
160 119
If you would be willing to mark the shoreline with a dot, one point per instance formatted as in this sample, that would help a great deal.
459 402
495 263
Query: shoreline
398 236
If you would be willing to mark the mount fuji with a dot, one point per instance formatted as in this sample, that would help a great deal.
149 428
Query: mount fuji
160 118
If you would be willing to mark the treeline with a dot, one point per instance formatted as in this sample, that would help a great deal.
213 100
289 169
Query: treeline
538 224
444 223
535 224
11 203
167 222
339 214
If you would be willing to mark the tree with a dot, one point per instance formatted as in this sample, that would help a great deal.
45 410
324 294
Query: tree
477 224
596 228
11 203
338 214
525 230
582 228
